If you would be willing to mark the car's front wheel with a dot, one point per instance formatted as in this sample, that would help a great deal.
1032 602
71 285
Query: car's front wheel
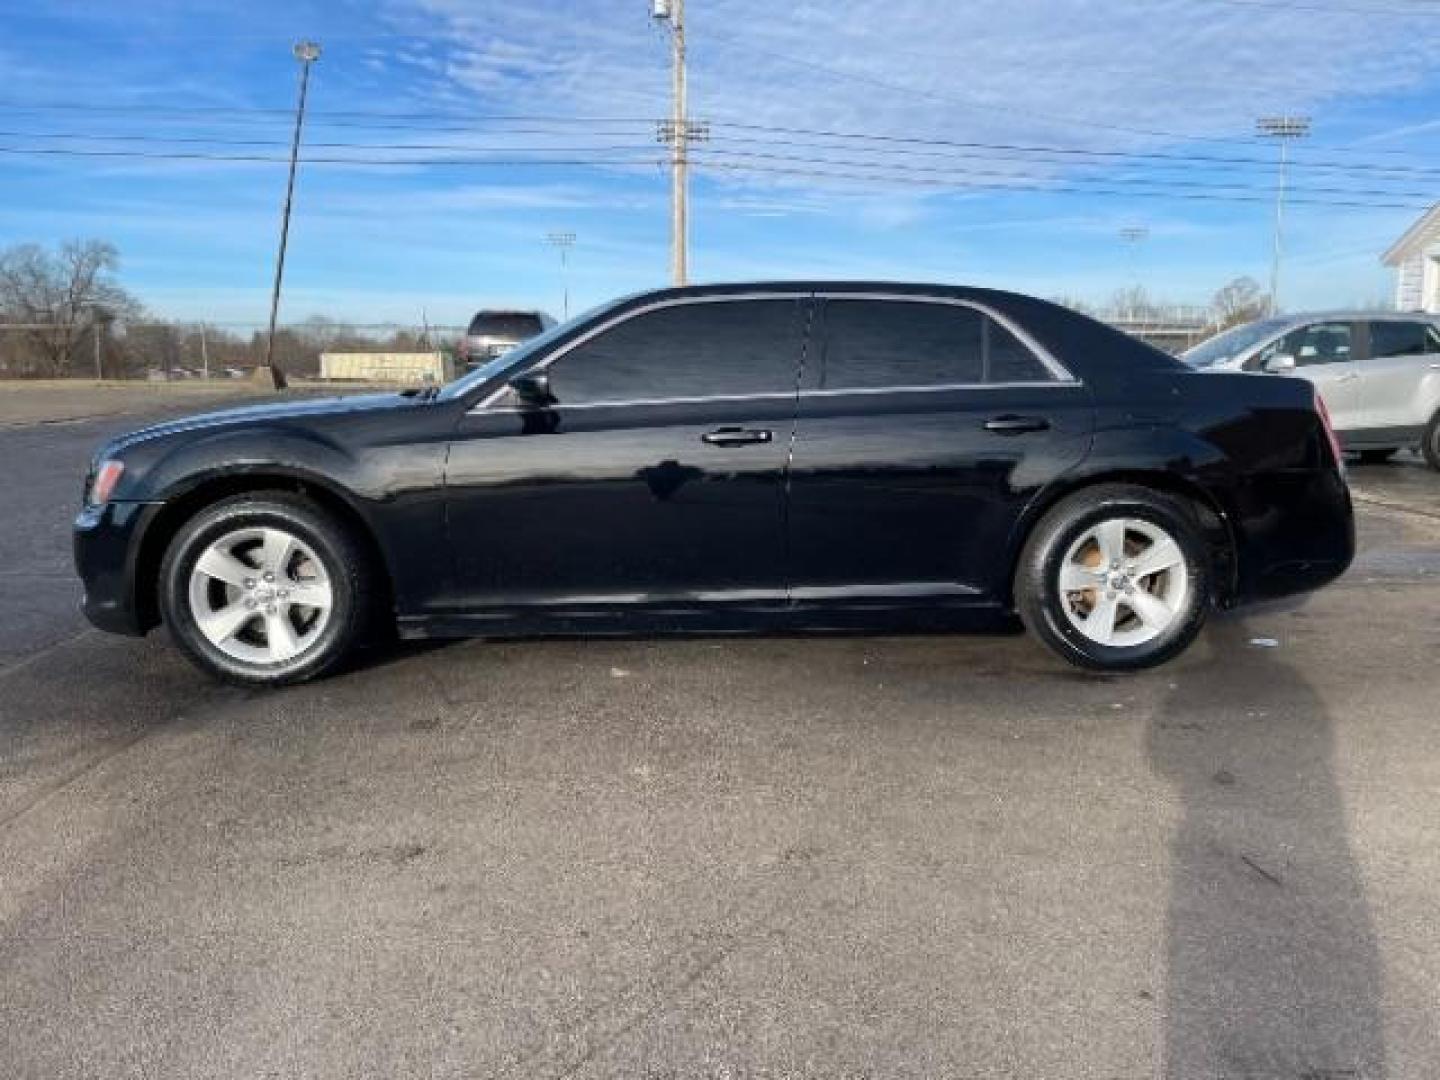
1115 578
264 589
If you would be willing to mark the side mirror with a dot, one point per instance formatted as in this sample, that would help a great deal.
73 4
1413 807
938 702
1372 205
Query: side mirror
1280 364
533 388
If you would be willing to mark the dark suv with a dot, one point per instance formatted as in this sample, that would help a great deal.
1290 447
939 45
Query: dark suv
494 333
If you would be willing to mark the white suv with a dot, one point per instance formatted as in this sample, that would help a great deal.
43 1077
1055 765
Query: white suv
1378 372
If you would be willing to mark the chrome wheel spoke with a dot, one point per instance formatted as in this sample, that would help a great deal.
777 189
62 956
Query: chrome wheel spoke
311 594
220 625
276 548
1075 577
1161 555
223 566
1110 537
1099 625
1149 609
280 634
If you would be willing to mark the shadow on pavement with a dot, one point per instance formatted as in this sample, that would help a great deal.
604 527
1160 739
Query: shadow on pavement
1273 965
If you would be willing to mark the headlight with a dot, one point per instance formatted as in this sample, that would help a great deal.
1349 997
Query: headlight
106 477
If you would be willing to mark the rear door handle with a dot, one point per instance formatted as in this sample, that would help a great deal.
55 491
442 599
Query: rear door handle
1010 424
1348 378
736 436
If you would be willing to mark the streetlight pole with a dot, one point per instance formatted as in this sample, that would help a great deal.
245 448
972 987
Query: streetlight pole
1133 235
564 241
1282 129
307 52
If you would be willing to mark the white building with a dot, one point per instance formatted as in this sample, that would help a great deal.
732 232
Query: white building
1416 258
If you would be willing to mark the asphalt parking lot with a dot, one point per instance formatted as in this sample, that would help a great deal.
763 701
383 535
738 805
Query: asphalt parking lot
783 857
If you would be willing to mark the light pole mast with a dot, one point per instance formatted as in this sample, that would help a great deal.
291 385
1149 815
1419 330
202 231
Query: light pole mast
564 241
1133 235
679 132
307 52
1282 129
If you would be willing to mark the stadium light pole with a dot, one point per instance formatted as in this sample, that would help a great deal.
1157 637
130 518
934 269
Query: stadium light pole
564 241
307 52
1282 129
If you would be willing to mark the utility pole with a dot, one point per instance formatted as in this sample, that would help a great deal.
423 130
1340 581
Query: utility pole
1282 129
679 132
307 52
204 352
564 241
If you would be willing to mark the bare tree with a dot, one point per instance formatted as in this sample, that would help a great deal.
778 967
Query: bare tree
1240 301
59 296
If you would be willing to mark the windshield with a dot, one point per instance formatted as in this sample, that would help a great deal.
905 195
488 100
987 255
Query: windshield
520 354
1232 342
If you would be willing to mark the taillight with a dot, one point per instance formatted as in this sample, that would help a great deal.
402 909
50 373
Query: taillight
1329 431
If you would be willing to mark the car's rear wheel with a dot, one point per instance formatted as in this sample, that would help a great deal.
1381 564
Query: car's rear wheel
1377 455
264 589
1431 446
1115 578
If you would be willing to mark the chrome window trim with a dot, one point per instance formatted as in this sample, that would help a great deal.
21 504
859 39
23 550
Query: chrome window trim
1069 384
1062 375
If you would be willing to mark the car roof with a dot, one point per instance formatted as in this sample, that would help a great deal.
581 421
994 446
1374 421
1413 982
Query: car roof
1357 315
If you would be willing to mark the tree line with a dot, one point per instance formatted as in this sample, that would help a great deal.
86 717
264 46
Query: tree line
63 314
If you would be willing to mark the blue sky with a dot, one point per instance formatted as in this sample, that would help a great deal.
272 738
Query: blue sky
1078 109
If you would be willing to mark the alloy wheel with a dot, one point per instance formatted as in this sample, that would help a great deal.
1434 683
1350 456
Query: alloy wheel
1124 582
260 595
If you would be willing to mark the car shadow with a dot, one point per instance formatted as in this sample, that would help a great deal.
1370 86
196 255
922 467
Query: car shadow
1272 965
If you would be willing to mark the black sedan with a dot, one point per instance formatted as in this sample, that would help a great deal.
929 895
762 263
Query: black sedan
725 458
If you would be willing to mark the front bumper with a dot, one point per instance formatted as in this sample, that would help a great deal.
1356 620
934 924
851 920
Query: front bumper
107 545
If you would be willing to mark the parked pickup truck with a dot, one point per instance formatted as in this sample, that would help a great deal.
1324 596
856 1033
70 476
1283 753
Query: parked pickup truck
1378 372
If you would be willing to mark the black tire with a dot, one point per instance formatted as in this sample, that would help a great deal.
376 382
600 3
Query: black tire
1377 455
1039 599
344 561
1431 446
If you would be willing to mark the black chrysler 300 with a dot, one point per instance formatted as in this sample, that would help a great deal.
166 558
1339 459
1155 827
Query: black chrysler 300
731 458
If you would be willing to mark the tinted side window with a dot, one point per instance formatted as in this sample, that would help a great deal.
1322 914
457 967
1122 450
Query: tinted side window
873 344
716 349
1008 359
1397 339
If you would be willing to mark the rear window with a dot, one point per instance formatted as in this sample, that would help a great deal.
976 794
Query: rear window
516 325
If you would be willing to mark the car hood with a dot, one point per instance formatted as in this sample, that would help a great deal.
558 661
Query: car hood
264 413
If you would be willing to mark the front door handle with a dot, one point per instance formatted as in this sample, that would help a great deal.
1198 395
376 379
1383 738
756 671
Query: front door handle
1348 378
1009 424
736 436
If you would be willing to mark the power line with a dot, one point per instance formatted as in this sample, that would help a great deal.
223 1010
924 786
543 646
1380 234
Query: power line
1009 174
1057 189
181 155
900 145
952 181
